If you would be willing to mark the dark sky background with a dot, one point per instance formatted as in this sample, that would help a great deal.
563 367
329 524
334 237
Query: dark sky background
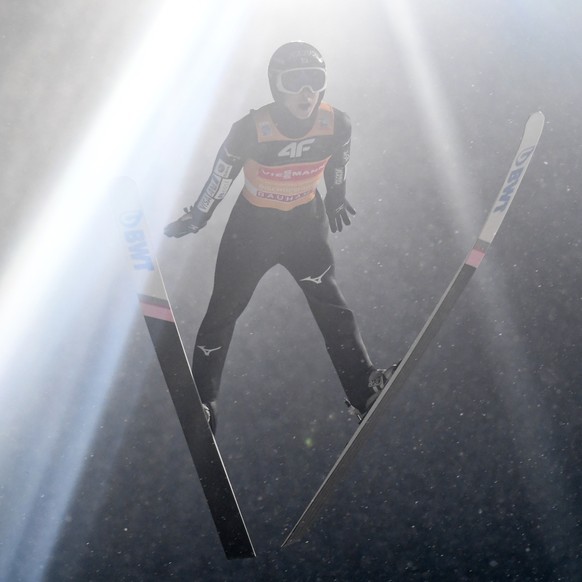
476 474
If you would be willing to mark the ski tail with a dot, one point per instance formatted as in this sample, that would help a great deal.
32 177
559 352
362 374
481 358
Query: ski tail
529 142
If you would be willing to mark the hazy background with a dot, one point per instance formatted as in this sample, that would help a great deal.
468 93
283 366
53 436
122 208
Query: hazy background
476 475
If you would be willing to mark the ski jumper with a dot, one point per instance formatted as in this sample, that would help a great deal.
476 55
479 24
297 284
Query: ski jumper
279 219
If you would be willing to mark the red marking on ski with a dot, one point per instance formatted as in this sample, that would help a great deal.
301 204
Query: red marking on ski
156 311
474 258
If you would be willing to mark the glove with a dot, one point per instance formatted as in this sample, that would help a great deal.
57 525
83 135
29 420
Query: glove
338 214
188 223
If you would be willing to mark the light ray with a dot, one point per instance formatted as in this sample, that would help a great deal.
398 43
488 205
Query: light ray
433 107
49 428
535 450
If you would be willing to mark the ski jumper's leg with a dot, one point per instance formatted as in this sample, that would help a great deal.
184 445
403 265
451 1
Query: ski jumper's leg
243 258
310 261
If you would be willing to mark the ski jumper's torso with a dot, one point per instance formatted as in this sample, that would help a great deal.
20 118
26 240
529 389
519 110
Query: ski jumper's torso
283 172
282 161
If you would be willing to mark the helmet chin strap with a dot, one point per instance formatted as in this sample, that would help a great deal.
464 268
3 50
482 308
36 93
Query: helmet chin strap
290 125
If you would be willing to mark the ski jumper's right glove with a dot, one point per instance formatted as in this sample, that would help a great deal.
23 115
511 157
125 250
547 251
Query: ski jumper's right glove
190 222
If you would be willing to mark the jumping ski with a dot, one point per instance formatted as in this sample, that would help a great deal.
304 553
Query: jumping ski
531 136
175 367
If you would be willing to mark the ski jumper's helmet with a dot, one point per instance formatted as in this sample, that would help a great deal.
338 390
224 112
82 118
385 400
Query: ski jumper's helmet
294 66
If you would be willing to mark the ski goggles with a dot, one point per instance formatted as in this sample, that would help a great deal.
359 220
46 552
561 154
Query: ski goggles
293 81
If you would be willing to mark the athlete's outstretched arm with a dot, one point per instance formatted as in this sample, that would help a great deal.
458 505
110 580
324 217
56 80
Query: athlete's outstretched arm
227 165
336 205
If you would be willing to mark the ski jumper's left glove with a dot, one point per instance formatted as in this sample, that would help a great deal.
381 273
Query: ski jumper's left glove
338 214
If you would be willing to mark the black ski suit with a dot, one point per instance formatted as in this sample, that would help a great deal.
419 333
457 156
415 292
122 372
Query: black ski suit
280 218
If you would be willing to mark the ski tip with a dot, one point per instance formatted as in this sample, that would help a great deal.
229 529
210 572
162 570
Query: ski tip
122 185
538 115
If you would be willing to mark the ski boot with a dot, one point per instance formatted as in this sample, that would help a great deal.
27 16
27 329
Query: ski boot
210 412
377 379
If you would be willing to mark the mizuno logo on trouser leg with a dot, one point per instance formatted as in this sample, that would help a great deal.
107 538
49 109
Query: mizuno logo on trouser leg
317 280
208 351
